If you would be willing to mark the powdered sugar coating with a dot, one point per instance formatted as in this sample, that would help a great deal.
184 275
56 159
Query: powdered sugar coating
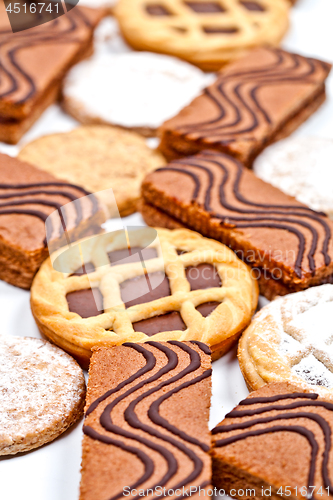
133 89
300 328
41 393
95 4
302 168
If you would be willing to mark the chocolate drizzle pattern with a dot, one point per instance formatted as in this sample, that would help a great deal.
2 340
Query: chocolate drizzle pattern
173 433
245 213
17 83
235 96
306 401
23 195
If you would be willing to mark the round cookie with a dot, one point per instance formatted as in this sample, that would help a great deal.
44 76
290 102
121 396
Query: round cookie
290 340
301 167
97 157
208 33
137 91
207 294
42 393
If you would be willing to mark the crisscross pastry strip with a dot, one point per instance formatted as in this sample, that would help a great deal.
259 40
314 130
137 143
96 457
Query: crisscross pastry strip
177 253
223 28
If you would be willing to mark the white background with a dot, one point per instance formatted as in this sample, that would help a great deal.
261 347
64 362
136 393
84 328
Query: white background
53 471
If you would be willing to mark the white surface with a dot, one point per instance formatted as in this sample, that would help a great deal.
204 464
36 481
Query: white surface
52 472
301 167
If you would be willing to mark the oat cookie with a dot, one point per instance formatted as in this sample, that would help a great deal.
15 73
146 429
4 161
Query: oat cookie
206 294
290 340
137 91
42 393
204 32
97 157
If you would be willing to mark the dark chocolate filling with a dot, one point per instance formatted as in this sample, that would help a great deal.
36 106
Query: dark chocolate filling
85 269
164 323
253 6
211 30
134 254
158 10
207 308
203 276
144 288
205 7
86 303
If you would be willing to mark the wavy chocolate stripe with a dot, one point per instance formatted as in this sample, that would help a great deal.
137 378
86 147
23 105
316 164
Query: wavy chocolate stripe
153 412
235 95
309 402
25 193
63 30
282 217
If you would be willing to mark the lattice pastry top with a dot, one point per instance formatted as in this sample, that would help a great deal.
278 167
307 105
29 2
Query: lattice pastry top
206 294
291 340
206 33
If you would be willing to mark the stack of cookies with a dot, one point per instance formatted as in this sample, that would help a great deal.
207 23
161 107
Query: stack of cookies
177 105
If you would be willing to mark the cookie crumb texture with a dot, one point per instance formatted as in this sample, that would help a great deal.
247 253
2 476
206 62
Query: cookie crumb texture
42 393
147 419
275 444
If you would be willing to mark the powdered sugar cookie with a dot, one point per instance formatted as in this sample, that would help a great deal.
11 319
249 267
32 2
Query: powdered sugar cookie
301 167
42 393
290 340
138 91
99 4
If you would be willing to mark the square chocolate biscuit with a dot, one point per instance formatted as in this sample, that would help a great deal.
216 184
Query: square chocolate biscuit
255 101
146 428
289 245
34 62
27 197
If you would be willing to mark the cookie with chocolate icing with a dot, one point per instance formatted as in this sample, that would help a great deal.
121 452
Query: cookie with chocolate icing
289 245
181 286
146 425
27 198
276 444
204 32
255 101
34 62
290 340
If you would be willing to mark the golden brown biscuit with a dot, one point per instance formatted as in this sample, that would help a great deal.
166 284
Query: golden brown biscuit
99 157
207 293
42 393
207 33
290 340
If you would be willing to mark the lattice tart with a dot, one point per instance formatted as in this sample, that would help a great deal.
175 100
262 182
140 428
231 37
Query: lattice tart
290 340
206 294
204 32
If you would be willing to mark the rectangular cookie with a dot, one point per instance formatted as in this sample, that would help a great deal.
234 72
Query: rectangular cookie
276 444
34 62
289 245
27 197
255 100
146 425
